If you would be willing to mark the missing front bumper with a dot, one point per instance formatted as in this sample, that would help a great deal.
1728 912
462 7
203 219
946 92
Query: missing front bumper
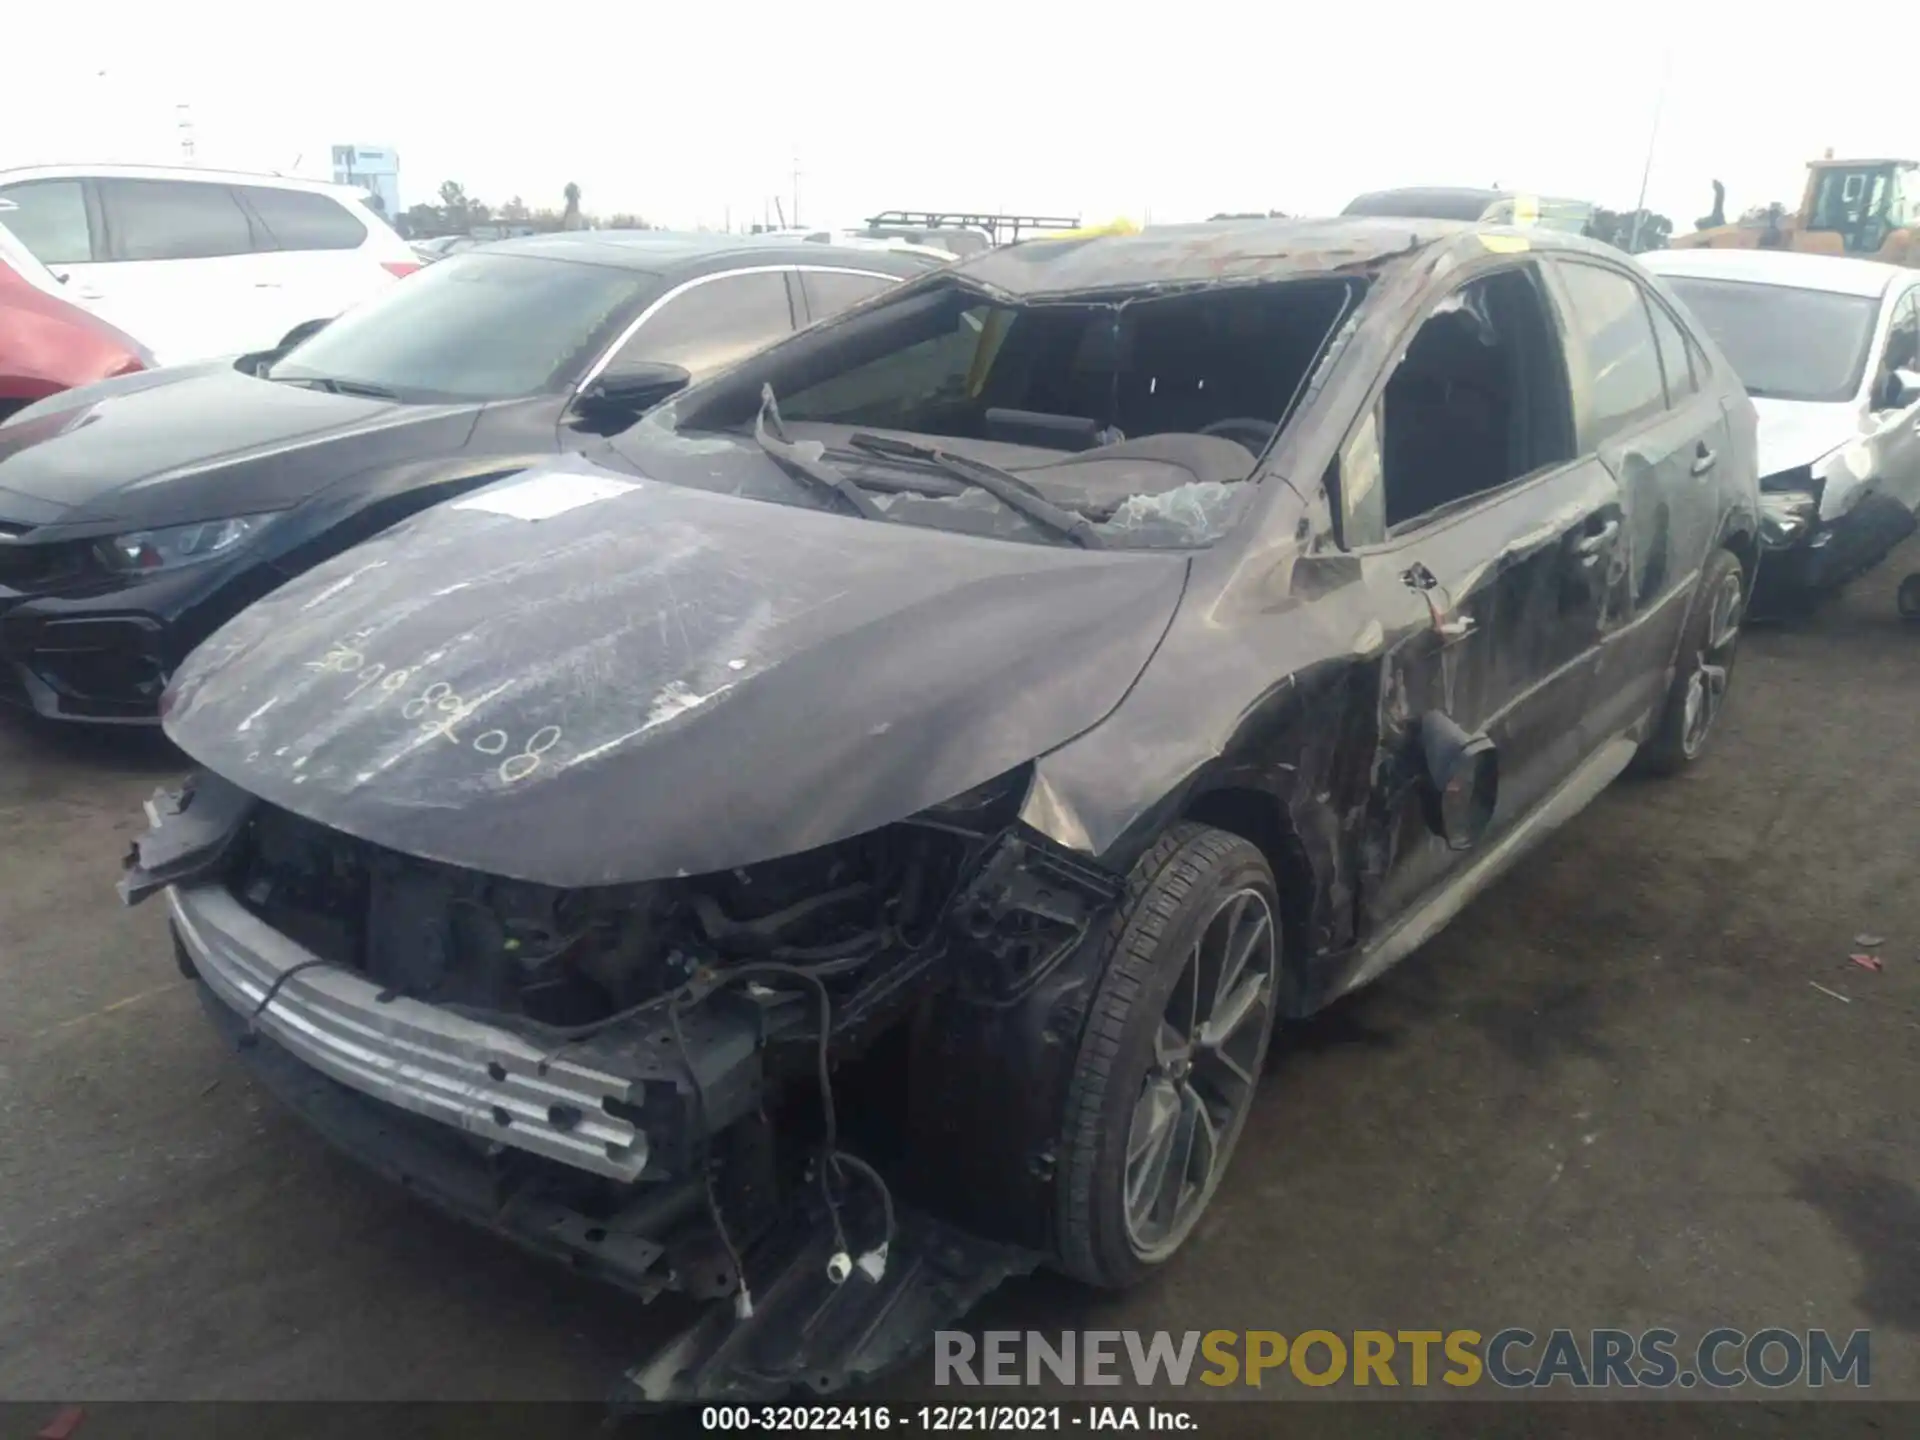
601 1149
805 1331
479 1078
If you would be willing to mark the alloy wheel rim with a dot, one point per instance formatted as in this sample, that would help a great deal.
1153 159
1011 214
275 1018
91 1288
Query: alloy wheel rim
1707 686
1207 1053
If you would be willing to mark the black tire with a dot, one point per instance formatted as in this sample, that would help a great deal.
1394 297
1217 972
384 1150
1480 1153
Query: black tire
1705 658
1179 889
1908 597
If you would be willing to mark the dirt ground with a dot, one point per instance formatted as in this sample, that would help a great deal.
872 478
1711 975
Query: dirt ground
1609 1095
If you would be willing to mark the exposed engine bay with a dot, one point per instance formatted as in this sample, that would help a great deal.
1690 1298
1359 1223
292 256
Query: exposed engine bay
693 1085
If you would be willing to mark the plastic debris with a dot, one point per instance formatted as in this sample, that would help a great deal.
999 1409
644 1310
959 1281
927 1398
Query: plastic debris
62 1426
1869 942
1844 1000
1866 962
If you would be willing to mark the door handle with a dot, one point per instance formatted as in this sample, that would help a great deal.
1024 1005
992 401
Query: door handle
1705 461
1590 547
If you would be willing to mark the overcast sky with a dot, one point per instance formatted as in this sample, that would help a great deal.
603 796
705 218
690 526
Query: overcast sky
684 112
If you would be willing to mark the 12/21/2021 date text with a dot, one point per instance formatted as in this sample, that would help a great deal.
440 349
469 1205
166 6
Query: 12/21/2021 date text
944 1419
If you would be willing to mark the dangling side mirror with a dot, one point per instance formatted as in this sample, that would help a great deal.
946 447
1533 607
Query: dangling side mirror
1461 784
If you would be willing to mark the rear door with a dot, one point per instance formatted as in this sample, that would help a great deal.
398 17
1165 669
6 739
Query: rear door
310 253
182 269
1489 541
1660 433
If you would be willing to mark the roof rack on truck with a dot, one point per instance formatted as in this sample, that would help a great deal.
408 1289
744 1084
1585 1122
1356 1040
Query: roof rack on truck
1004 229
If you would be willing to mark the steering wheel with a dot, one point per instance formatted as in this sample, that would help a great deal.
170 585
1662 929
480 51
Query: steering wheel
1253 433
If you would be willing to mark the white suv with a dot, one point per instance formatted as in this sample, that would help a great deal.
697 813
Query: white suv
202 263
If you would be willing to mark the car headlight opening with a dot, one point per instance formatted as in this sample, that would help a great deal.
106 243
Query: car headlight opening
142 552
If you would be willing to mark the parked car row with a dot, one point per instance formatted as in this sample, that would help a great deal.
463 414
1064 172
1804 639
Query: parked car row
1829 350
47 343
816 771
201 263
138 516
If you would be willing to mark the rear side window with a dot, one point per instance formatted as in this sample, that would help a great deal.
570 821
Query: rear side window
303 220
1675 355
1613 350
717 322
49 217
173 220
831 291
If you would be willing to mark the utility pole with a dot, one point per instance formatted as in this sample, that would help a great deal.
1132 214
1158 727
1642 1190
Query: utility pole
183 122
796 185
1653 139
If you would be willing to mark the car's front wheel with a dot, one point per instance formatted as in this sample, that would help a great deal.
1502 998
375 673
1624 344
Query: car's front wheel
1702 669
1908 597
1170 1055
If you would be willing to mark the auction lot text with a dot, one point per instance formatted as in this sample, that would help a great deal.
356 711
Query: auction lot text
1513 1359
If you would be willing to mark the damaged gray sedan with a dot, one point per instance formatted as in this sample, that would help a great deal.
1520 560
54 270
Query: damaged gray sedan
851 838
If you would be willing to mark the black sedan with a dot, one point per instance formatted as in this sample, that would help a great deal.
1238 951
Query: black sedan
851 837
139 514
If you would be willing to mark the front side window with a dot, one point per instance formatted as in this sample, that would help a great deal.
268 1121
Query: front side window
473 327
49 217
709 325
304 220
1479 400
1613 350
1903 337
173 220
1901 353
1831 335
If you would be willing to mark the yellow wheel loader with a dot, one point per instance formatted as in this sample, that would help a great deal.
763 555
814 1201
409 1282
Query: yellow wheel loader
1869 209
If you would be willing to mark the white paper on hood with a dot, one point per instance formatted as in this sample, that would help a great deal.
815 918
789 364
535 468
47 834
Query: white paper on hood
544 494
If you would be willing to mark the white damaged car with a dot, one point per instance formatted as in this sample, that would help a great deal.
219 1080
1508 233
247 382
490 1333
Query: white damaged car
1829 349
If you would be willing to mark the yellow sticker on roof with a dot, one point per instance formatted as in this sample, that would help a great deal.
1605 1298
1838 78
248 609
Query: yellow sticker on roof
1506 244
1526 210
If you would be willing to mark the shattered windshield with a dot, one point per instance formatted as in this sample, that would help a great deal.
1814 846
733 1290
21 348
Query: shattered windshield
472 327
1831 333
1130 422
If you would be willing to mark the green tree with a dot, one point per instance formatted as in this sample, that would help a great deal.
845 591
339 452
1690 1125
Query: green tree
1616 228
570 218
514 211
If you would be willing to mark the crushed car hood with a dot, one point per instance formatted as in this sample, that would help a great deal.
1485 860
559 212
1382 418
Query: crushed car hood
1798 432
205 445
578 678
